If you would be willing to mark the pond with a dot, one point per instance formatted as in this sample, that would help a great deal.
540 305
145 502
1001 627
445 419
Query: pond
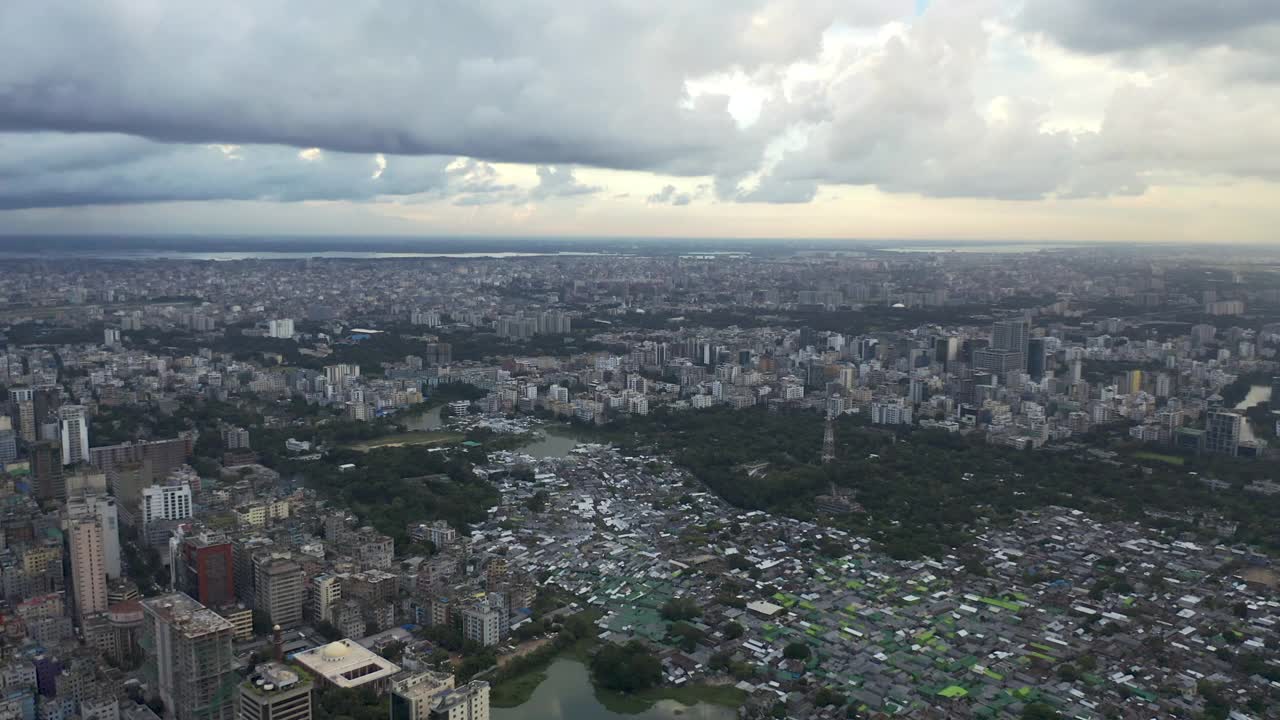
567 694
423 421
1257 394
555 443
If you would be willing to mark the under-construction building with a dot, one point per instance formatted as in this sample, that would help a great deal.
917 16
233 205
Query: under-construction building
189 658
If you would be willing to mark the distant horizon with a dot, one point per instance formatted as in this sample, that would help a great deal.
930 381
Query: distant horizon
570 238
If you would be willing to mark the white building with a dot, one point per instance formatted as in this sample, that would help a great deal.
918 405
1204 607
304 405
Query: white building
75 434
282 328
890 413
165 502
482 623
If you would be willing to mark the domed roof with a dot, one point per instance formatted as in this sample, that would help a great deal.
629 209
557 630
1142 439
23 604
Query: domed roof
335 650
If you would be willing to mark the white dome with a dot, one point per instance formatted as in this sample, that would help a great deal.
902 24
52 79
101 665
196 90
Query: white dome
334 651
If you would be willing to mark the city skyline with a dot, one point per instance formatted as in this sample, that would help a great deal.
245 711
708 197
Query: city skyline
970 121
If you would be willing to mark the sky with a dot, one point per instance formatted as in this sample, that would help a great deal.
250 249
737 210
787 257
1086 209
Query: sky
1083 120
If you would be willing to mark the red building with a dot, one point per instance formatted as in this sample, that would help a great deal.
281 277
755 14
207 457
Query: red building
208 574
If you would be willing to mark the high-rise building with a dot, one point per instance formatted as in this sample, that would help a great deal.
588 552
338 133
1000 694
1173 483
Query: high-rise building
278 590
1012 335
8 445
88 565
101 508
46 470
1222 432
75 434
275 691
1037 358
189 658
23 412
998 361
1133 382
208 570
411 698
111 337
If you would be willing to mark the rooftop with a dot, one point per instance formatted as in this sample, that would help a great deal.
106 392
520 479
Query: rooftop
346 663
186 614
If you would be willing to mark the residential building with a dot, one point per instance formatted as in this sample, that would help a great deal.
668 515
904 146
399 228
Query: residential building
324 592
102 509
411 697
469 702
88 565
278 590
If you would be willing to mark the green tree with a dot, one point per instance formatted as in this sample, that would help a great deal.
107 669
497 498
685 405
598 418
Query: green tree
677 609
626 668
796 651
1038 711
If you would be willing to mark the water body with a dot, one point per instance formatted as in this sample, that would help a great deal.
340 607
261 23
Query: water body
1257 394
554 443
424 421
961 247
567 694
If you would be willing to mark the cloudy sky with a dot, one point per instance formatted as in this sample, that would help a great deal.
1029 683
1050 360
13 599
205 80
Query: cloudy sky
984 119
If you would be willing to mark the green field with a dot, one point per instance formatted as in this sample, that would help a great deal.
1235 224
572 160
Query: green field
1167 459
408 438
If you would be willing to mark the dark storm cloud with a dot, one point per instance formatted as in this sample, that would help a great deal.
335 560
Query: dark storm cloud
1104 26
54 170
598 83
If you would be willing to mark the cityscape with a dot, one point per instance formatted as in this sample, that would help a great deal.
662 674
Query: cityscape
817 483
640 360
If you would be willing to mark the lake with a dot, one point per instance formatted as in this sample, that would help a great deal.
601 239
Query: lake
1257 394
567 694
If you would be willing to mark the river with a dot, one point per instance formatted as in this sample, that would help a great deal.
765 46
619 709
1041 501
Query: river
1257 394
567 694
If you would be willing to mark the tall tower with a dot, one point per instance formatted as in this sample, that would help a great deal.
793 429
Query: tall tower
88 565
829 440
